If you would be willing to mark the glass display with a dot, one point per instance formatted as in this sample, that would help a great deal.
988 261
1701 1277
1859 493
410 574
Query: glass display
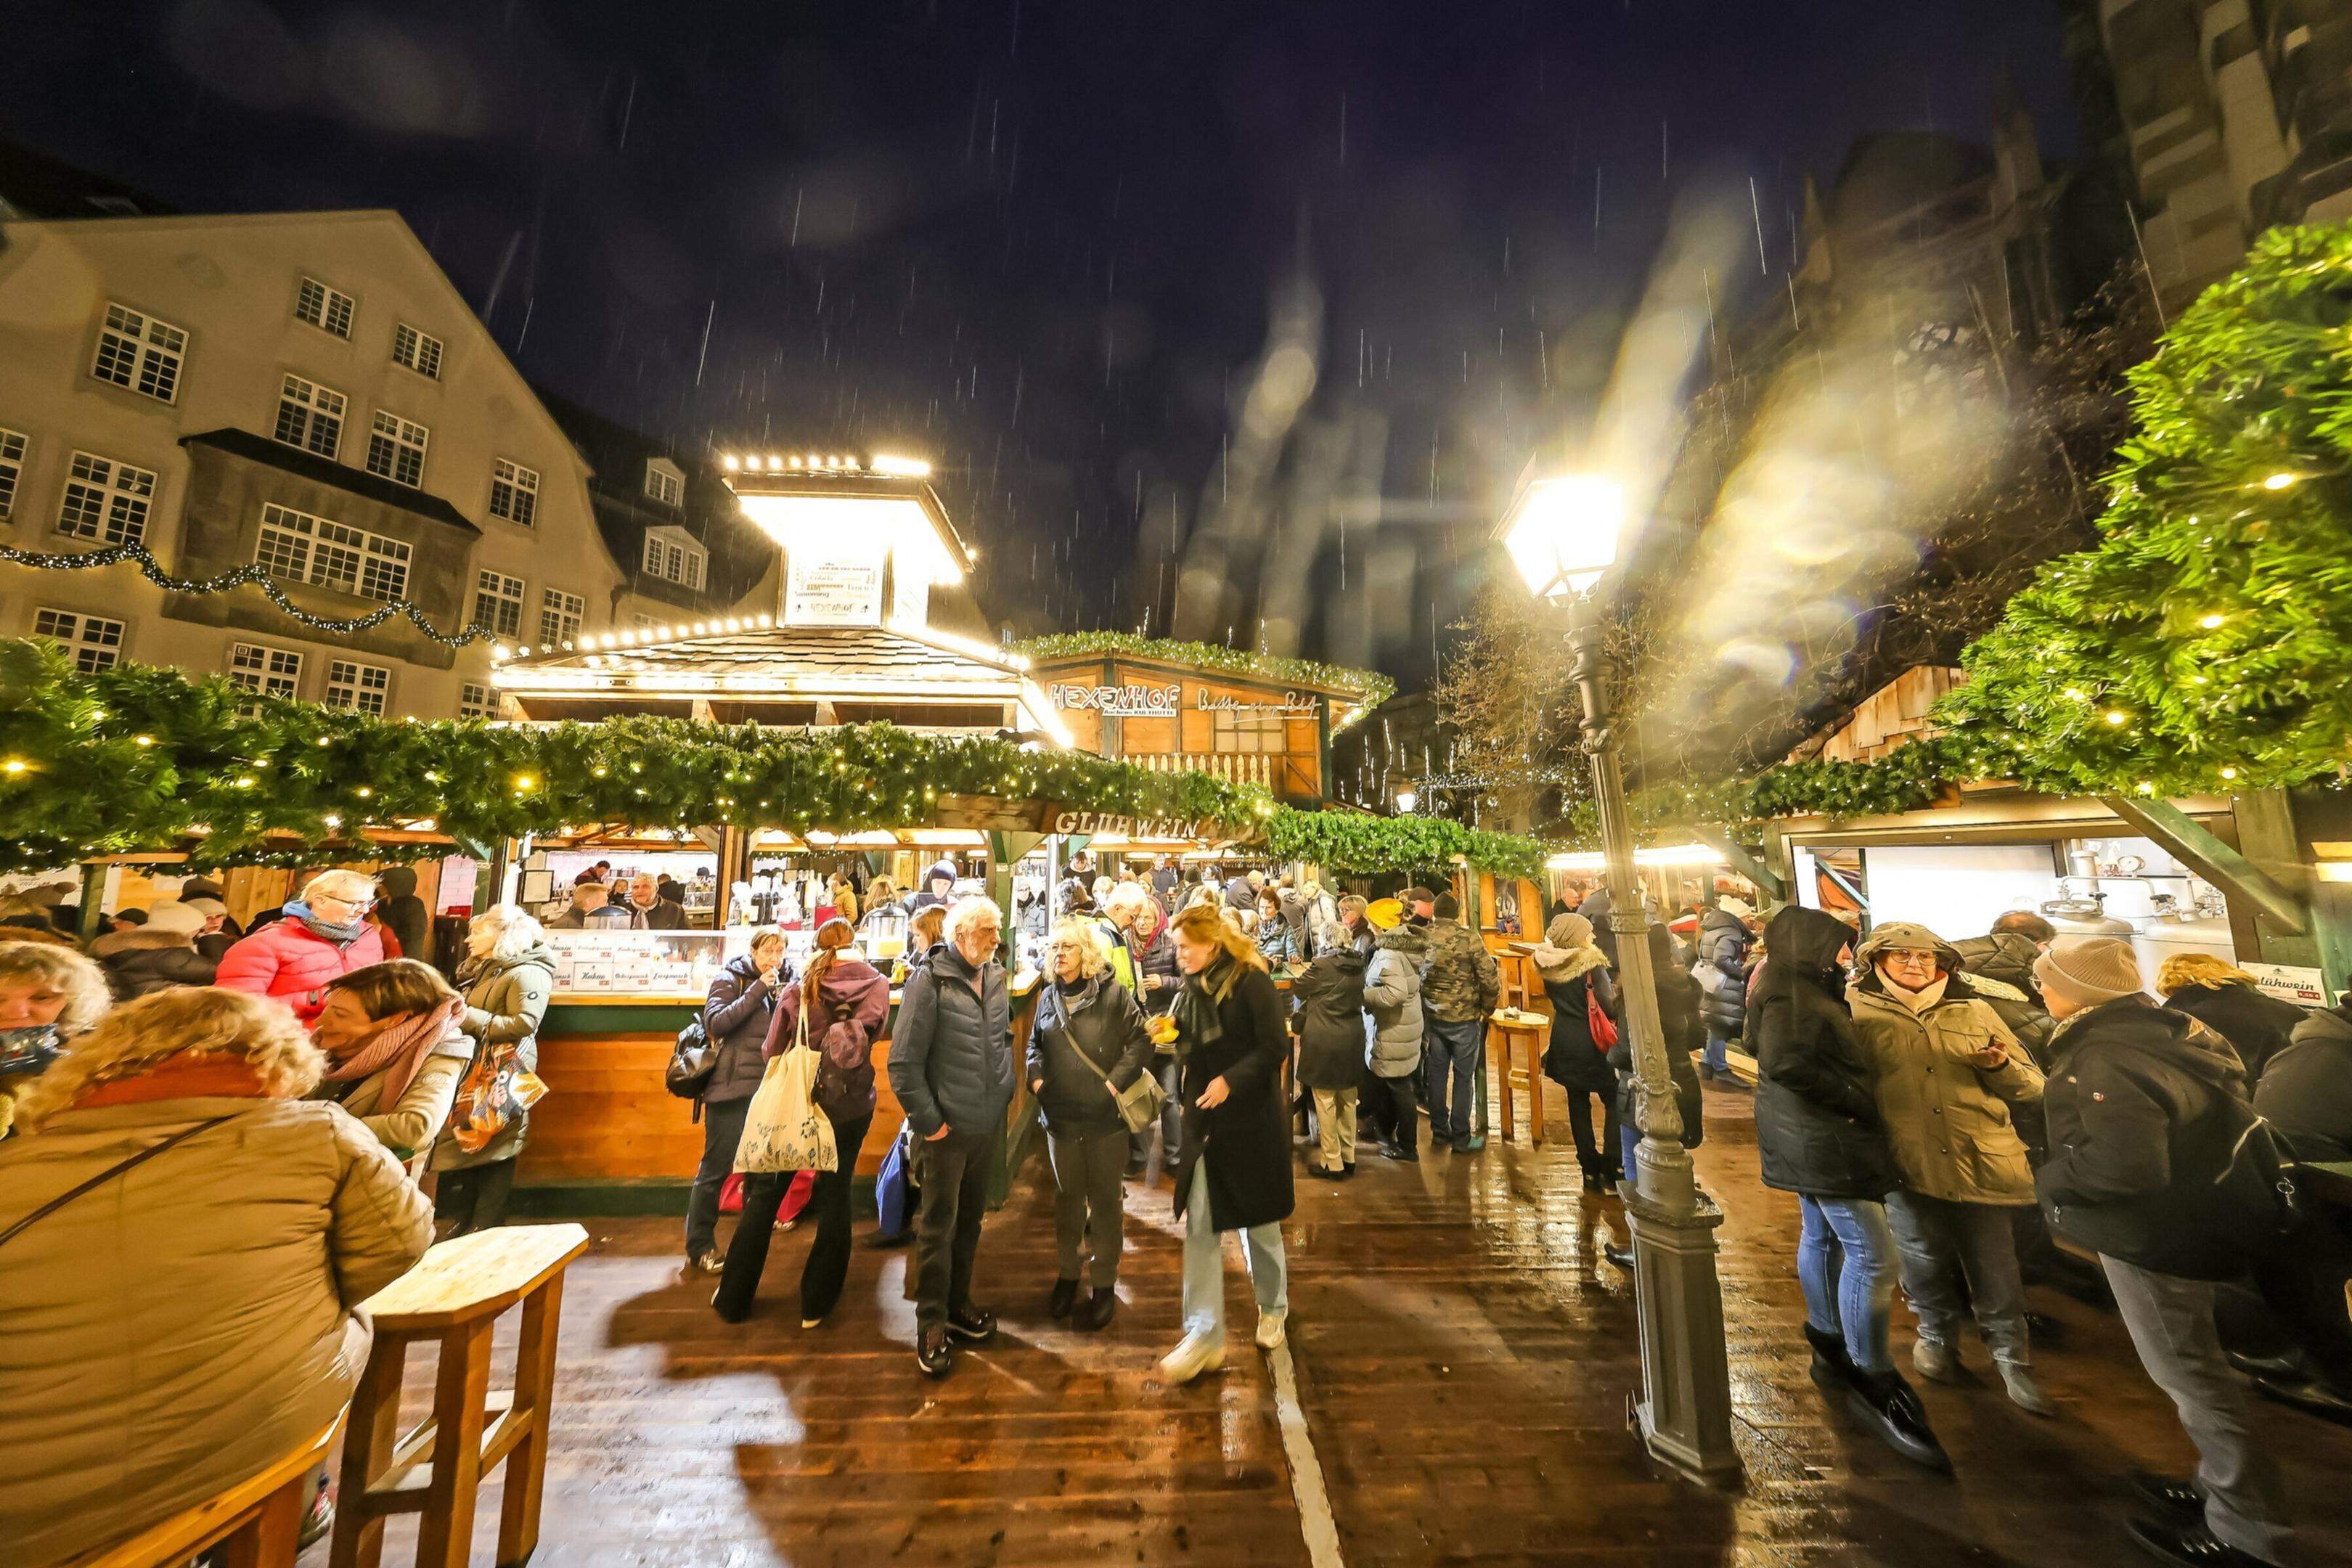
655 964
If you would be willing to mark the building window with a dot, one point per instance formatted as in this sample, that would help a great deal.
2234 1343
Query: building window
12 469
396 449
560 615
329 310
514 492
266 671
498 604
362 687
95 642
1252 732
420 351
474 701
663 483
106 502
309 416
675 556
305 549
140 353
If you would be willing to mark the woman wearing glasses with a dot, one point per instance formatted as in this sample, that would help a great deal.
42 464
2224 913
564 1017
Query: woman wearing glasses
324 936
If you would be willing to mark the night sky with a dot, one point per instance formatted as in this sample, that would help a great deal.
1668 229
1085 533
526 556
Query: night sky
1045 244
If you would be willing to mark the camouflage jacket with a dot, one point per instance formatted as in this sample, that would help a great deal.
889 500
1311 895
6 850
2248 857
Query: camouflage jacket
1460 982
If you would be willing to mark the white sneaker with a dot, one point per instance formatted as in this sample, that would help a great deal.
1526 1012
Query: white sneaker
1193 1354
1272 1329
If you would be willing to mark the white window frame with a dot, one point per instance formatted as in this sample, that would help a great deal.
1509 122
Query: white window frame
302 548
325 307
264 670
123 495
413 348
514 492
664 482
14 445
140 353
674 556
476 700
396 449
1248 734
305 408
96 642
498 603
560 615
358 687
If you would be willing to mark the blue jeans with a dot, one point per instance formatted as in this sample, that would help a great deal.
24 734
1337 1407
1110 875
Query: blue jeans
1452 1052
1713 1058
1629 1136
1846 1263
1204 1264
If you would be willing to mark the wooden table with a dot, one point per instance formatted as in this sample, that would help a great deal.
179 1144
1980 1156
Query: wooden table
456 1295
1505 1028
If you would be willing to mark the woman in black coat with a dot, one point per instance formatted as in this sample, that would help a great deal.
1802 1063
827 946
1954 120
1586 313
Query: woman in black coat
1331 1038
1679 1021
1819 1136
2228 1001
1575 976
735 1018
1232 1172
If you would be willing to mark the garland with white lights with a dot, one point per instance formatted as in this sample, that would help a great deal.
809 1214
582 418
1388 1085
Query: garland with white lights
1372 687
254 575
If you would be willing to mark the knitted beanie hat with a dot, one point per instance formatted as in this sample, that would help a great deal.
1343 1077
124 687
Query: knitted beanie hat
2088 971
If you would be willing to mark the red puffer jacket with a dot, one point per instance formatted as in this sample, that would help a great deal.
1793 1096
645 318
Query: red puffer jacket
287 960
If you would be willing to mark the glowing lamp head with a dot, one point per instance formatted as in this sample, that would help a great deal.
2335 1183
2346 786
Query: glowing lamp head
1562 533
1406 800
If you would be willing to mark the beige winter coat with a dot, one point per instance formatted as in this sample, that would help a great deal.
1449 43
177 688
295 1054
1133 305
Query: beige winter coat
409 1125
173 1331
1948 1119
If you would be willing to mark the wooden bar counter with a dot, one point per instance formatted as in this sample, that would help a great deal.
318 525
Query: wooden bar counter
608 1129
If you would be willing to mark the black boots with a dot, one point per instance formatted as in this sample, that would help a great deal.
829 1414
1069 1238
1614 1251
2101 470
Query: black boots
1064 1297
1099 1309
1833 1368
1890 1407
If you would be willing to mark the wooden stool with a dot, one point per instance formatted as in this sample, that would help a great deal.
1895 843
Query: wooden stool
455 1295
1505 1028
257 1519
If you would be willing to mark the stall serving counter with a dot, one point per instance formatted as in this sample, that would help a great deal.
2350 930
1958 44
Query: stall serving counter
608 1136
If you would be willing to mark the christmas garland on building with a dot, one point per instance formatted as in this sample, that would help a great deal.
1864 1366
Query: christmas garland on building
137 759
1372 688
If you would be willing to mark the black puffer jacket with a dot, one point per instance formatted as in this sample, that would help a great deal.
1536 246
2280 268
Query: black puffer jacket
1156 960
735 1016
951 1052
1724 942
2154 1150
2005 955
2257 1026
140 968
2305 1091
1100 1021
1817 1125
1678 1020
1331 1038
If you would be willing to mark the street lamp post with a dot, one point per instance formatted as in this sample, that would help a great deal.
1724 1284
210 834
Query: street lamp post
1561 535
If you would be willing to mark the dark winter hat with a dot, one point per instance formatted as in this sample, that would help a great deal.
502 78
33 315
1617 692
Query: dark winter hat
1446 907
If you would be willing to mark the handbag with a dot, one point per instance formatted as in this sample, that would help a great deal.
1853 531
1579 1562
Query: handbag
1710 979
1139 1103
692 1061
496 1092
1597 1021
784 1130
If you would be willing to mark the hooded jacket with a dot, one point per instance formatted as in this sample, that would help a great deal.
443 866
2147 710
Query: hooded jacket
1100 1022
1330 1020
951 1054
1392 997
1947 1120
404 911
1460 982
1817 1125
2153 1157
505 1000
287 960
924 898
176 1329
852 991
142 961
2006 956
736 1013
1570 977
1724 943
2257 1026
2305 1089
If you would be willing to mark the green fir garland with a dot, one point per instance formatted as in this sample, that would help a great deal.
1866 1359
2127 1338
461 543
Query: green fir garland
1372 687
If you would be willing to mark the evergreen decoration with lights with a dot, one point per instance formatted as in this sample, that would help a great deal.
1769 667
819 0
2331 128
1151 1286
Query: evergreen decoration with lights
135 759
1372 687
2203 646
237 577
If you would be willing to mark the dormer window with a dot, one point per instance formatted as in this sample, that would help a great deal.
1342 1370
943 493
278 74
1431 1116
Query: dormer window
675 556
665 482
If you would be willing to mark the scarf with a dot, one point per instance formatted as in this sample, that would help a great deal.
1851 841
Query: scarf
1195 1011
398 1046
1919 1001
342 936
184 1075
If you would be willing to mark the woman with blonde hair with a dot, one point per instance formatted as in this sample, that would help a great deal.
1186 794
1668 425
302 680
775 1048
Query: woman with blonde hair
325 933
845 1001
48 996
1232 1170
508 976
2228 1001
1086 1044
186 1242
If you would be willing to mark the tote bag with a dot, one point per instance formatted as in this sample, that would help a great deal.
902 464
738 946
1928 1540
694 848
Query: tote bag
783 1129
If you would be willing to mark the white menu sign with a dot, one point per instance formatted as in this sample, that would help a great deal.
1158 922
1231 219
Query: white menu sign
2290 983
831 591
